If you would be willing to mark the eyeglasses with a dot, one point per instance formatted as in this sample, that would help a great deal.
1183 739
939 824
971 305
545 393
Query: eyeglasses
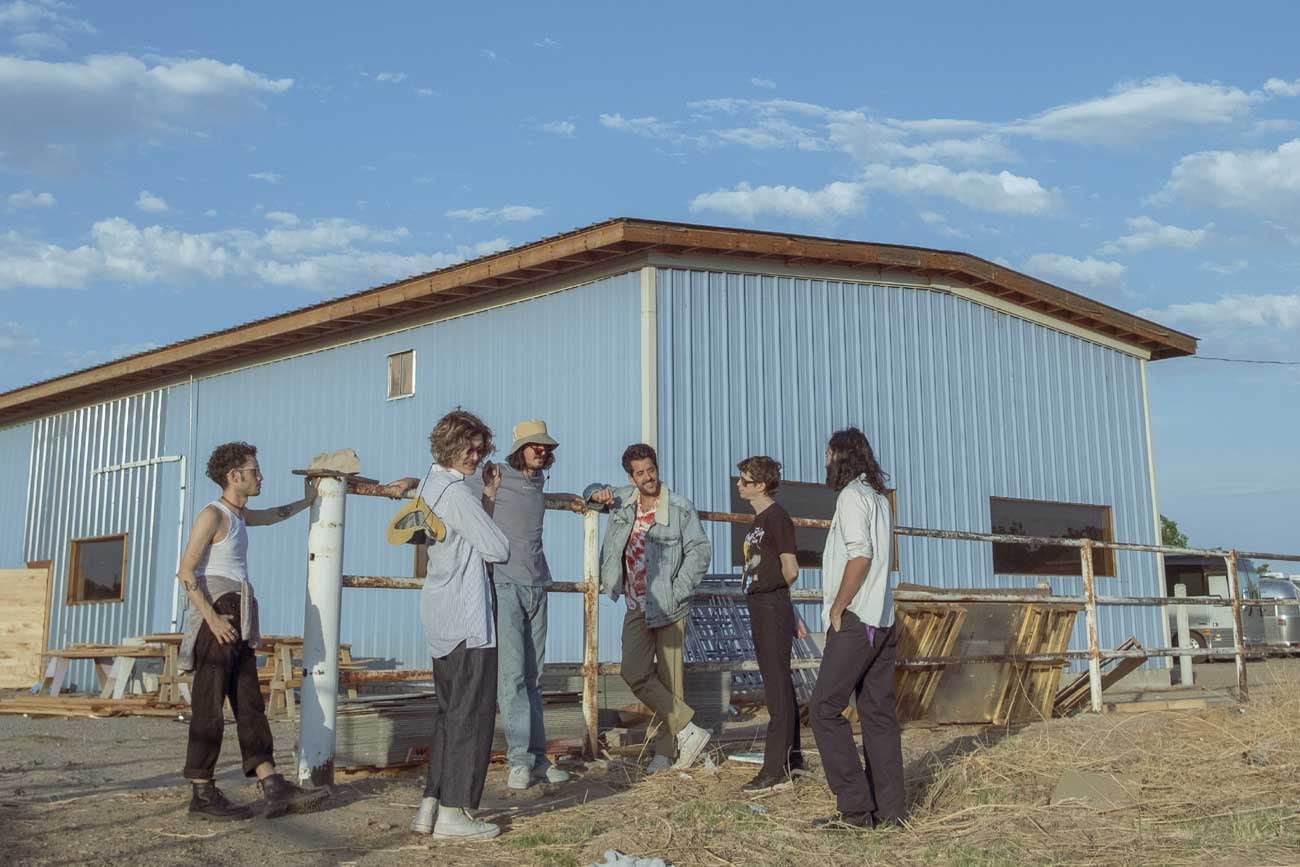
744 481
254 470
540 448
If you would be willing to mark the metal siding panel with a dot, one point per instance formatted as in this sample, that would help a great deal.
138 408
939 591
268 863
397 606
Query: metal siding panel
571 357
962 403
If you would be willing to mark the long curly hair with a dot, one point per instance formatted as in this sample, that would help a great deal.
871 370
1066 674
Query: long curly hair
851 457
454 433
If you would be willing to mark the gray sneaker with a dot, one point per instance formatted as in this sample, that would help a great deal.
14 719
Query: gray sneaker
550 773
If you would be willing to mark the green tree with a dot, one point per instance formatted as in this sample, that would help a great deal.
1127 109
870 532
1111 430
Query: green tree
1170 534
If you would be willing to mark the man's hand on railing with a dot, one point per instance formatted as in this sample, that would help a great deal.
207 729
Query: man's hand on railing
401 486
571 502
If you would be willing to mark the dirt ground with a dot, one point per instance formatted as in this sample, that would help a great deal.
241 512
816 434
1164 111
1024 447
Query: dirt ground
1213 786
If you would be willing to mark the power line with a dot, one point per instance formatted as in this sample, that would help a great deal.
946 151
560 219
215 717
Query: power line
1242 360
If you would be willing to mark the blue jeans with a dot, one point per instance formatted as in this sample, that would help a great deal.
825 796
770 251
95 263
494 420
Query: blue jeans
521 650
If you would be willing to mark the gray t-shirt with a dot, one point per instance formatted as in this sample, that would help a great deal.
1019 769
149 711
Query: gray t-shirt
520 507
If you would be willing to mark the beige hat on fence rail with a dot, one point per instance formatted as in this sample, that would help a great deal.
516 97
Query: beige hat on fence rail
533 431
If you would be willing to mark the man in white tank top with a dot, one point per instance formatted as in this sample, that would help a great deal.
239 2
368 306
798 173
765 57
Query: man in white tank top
221 633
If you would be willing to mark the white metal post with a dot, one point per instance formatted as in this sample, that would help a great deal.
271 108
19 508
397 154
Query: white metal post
591 632
320 632
1090 617
1184 637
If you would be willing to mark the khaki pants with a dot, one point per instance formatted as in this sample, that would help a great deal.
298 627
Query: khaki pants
653 667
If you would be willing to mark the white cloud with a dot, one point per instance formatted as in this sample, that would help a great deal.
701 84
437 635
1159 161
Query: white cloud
269 177
559 127
1002 193
15 338
284 218
546 42
650 126
773 133
150 203
508 213
391 77
1225 268
323 255
30 199
104 99
424 91
765 83
1147 233
1233 311
1278 87
1135 111
940 224
489 54
1074 273
1262 182
210 212
39 43
36 15
747 202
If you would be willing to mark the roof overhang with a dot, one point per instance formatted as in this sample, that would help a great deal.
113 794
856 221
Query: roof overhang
551 257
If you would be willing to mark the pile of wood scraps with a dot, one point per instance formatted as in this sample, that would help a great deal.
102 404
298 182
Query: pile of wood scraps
1077 692
924 629
88 706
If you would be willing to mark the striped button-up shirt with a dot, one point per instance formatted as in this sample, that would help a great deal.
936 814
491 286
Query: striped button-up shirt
456 600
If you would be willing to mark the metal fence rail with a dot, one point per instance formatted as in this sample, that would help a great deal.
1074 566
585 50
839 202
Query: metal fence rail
326 582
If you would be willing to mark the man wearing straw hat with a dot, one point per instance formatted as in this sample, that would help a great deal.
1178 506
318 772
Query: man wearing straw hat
521 605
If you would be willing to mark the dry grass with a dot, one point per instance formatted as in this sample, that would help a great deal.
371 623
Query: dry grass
1216 786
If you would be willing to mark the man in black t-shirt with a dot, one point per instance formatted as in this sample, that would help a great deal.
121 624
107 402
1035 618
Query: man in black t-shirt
770 569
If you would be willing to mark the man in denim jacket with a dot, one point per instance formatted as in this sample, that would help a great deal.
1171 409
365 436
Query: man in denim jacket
654 555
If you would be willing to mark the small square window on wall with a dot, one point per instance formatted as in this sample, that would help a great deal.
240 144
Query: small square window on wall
401 374
1052 520
802 500
97 570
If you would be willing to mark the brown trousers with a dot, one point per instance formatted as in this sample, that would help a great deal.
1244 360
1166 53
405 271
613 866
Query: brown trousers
653 666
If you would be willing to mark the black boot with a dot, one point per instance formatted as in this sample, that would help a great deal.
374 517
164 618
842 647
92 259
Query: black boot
282 796
207 802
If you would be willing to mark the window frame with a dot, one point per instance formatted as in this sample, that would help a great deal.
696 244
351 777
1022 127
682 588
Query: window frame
388 374
739 506
1103 559
72 572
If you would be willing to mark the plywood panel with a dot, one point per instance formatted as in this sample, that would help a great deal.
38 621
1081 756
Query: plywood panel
24 620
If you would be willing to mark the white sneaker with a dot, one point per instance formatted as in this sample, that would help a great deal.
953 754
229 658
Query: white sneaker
455 823
691 741
520 777
423 821
551 774
659 764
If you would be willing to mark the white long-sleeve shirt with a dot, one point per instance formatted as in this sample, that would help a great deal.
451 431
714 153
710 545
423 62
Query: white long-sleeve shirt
862 527
456 600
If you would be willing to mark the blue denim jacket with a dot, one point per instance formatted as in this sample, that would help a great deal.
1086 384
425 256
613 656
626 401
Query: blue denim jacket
677 554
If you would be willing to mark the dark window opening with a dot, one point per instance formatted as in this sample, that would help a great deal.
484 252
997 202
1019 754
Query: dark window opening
1052 520
97 570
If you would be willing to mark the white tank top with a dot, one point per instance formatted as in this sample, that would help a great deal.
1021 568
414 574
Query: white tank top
229 557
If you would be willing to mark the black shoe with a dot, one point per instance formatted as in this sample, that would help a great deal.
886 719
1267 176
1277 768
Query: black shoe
766 783
282 796
207 802
843 822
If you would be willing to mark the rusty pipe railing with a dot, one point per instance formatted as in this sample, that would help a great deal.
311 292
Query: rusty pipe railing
591 668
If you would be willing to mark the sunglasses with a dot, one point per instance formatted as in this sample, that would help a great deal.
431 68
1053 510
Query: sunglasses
744 481
540 448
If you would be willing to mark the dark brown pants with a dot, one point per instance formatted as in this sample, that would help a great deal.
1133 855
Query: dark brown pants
852 664
221 672
771 622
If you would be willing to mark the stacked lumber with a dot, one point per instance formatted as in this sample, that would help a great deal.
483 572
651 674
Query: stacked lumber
1028 690
924 629
1078 692
87 706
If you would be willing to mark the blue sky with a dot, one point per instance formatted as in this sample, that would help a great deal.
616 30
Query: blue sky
169 169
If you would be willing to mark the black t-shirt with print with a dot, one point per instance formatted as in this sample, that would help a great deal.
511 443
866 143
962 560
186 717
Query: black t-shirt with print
771 536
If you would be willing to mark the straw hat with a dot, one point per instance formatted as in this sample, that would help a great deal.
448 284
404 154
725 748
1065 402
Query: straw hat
531 432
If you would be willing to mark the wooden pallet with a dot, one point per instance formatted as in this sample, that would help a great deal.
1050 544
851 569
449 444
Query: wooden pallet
924 629
1028 690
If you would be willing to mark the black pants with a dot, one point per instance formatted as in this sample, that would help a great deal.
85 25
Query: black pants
771 622
851 664
225 671
464 716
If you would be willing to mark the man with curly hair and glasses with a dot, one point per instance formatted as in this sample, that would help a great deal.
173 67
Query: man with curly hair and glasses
858 611
221 634
457 608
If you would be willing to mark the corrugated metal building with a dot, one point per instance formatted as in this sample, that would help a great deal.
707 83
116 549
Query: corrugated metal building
973 382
